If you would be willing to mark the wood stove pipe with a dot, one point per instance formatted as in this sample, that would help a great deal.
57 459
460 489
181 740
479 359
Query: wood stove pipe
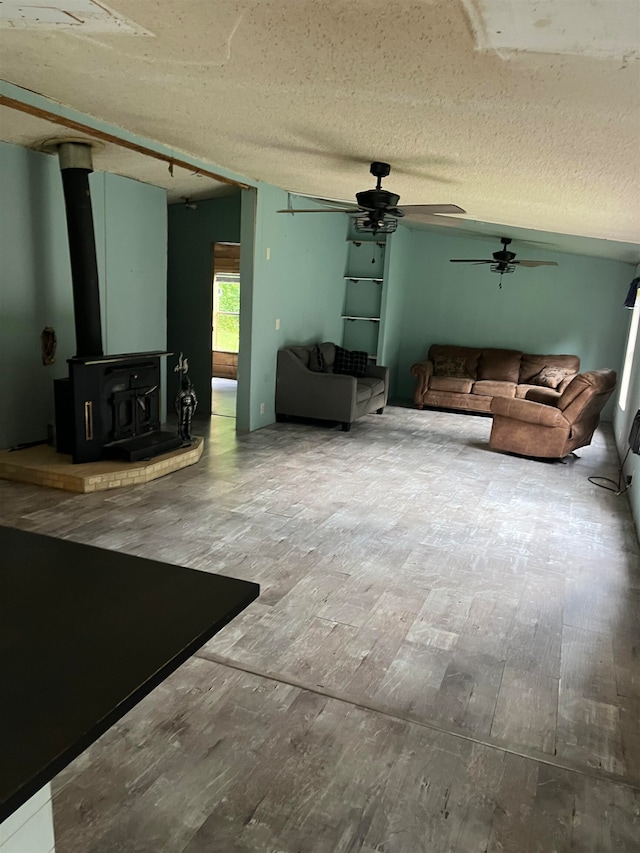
75 166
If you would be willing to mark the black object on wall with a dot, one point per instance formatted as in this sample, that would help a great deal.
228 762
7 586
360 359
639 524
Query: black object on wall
634 434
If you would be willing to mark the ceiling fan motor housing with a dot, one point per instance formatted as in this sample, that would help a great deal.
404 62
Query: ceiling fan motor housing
377 199
504 256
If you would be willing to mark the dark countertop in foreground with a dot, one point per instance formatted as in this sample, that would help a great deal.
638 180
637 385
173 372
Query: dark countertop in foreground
85 634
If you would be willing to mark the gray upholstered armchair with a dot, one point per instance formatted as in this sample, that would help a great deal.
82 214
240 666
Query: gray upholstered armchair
308 387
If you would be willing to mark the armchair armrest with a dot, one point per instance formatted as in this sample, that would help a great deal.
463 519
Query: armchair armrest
379 371
422 370
528 411
303 392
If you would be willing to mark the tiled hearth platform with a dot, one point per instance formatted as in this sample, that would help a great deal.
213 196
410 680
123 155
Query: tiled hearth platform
42 466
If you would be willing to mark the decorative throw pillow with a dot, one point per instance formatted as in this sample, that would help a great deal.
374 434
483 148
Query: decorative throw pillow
317 361
550 377
352 362
453 366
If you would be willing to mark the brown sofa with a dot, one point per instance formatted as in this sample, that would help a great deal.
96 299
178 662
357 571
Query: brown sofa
531 428
468 378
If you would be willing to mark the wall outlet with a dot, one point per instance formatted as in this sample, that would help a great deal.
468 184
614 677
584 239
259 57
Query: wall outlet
277 324
268 254
262 408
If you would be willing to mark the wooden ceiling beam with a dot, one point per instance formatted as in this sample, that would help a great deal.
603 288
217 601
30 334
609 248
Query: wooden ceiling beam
103 136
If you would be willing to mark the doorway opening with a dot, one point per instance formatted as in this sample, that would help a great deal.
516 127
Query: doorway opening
225 329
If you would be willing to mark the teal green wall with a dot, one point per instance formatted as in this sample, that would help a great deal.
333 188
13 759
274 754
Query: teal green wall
302 285
35 279
35 291
191 236
396 275
571 308
135 250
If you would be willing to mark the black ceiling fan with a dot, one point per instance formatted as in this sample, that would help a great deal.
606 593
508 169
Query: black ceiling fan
376 210
503 261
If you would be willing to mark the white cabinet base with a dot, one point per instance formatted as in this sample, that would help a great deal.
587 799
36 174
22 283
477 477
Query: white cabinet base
30 828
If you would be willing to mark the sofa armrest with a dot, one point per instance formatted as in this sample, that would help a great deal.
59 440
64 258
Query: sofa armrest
304 392
423 371
528 411
379 371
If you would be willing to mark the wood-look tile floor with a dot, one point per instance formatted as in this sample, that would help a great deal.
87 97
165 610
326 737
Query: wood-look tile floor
444 655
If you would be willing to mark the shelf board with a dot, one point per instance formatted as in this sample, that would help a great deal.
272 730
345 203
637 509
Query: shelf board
351 317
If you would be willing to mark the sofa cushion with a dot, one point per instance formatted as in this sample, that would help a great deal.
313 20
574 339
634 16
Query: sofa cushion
533 363
550 377
502 365
450 383
352 362
451 366
489 388
375 385
302 353
523 390
453 351
317 361
363 393
541 395
328 350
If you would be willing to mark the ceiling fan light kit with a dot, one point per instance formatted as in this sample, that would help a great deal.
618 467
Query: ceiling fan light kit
503 261
377 210
365 225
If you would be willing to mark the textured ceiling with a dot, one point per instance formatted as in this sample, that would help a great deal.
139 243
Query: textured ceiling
304 95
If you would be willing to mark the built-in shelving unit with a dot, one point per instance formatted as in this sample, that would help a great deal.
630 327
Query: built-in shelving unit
363 295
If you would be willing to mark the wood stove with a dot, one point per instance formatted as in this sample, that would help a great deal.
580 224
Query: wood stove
109 406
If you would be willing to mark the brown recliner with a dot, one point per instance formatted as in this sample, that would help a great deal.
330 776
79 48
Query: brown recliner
552 430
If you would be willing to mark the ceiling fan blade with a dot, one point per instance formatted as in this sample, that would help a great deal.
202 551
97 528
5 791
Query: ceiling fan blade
320 210
535 263
470 261
432 208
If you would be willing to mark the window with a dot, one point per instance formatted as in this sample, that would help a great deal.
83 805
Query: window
628 358
226 312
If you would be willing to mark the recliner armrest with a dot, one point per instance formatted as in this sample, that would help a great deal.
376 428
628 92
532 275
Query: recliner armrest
528 411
